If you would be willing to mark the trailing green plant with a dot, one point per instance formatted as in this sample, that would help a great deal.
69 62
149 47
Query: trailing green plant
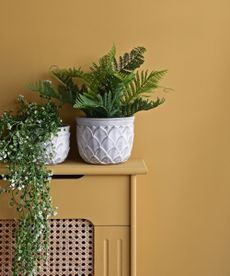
112 88
22 137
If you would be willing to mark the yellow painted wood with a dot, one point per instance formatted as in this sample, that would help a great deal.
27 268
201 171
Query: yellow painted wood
104 200
133 166
133 222
105 195
6 212
112 251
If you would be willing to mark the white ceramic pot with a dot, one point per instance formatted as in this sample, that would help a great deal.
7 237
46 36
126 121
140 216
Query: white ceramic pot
105 140
57 147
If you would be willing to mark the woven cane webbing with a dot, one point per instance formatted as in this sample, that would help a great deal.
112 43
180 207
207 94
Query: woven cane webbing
6 246
71 248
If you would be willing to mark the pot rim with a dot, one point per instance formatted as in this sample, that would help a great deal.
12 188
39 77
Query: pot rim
104 121
64 126
63 129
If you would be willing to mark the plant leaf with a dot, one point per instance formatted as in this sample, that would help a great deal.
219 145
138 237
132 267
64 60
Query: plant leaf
130 61
143 84
139 105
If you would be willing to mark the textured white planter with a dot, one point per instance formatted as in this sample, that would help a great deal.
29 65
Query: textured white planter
105 140
57 148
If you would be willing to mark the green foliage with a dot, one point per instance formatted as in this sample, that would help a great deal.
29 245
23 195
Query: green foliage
22 136
99 106
142 85
66 91
130 61
140 104
111 88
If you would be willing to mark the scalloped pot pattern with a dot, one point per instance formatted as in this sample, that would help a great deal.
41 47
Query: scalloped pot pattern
105 140
57 147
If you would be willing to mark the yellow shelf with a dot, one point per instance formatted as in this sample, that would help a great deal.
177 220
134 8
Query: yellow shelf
131 167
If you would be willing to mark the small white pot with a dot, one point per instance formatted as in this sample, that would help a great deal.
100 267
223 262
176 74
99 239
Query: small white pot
105 140
57 147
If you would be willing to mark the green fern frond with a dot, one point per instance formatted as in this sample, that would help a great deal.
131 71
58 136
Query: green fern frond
105 63
85 101
96 105
124 78
143 83
45 88
107 60
68 88
111 103
111 54
139 105
130 61
66 76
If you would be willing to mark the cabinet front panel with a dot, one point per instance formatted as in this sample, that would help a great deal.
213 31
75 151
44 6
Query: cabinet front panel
112 251
104 200
6 212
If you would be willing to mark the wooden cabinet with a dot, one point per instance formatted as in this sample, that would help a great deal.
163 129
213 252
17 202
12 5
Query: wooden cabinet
112 250
104 200
105 196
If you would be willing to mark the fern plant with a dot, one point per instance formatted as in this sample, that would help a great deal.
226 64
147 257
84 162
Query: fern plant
113 87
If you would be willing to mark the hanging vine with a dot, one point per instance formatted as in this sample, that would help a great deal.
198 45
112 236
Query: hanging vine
22 137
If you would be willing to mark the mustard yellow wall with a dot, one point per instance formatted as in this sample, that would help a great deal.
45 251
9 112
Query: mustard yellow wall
183 203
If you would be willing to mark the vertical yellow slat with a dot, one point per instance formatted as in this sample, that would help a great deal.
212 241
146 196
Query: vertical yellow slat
133 221
112 251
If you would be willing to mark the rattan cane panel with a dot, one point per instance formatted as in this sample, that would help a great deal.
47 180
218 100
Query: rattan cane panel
71 248
6 246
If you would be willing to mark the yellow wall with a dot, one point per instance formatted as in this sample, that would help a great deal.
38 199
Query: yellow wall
184 206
